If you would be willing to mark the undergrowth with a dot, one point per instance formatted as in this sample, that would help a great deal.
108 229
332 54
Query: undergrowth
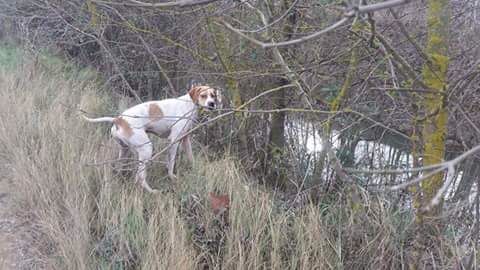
81 213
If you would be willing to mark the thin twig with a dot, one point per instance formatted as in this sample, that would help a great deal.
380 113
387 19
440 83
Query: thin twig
104 47
273 22
278 57
149 50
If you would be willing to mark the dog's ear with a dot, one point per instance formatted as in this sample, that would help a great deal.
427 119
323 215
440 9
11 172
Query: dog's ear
194 92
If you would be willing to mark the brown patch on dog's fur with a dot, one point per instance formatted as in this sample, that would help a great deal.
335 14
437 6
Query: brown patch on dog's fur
124 127
154 112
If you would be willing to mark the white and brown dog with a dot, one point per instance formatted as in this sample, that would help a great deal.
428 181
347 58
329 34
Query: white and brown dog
168 118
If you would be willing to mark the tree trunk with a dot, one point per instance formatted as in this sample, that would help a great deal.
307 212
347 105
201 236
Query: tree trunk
224 53
434 127
276 158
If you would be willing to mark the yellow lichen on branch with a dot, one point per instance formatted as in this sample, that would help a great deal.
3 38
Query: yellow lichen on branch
345 89
435 78
434 130
92 9
222 47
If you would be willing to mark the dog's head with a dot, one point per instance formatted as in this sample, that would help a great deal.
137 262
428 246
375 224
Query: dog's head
206 96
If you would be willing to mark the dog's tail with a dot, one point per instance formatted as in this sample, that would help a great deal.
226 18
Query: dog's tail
99 120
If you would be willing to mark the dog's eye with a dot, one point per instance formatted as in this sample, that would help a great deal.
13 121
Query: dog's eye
203 96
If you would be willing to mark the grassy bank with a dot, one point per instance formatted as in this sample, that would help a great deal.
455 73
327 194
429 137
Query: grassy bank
81 214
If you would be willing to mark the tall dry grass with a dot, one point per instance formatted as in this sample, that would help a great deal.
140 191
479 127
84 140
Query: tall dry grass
84 216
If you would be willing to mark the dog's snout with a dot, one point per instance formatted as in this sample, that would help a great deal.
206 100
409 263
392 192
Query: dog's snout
211 104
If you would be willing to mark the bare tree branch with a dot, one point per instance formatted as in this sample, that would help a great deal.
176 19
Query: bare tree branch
350 13
273 22
105 48
404 31
380 6
277 55
149 50
289 42
440 167
438 197
181 3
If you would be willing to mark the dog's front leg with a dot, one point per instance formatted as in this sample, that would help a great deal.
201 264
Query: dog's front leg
187 146
172 153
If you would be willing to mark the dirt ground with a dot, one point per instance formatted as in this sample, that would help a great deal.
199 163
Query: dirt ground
11 251
8 251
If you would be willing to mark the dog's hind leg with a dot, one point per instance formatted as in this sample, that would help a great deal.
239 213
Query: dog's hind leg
122 161
124 149
144 148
